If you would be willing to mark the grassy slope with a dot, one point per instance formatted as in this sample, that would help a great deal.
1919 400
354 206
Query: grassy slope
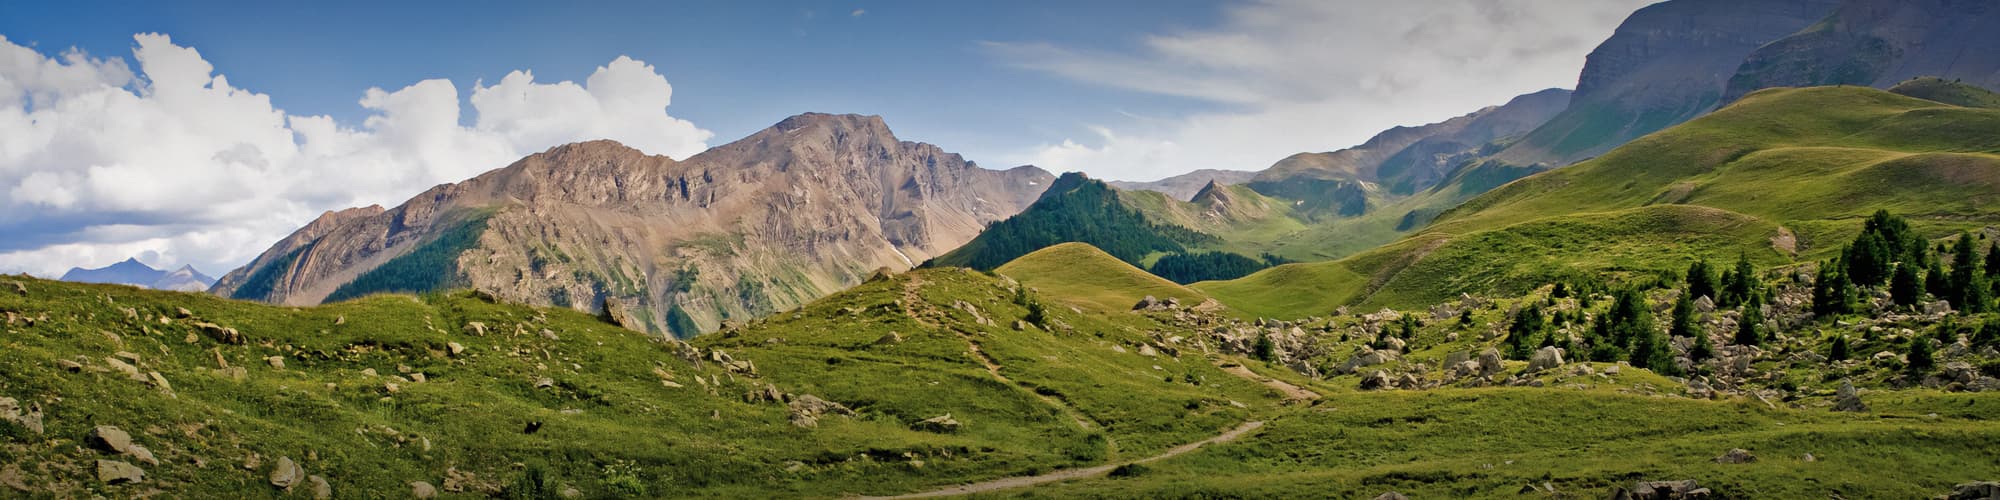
611 426
1813 161
1082 275
1953 92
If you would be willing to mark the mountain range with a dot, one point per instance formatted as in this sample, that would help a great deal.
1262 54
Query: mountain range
135 273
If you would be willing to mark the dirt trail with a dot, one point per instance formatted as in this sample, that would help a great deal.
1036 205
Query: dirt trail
1069 474
1292 392
923 311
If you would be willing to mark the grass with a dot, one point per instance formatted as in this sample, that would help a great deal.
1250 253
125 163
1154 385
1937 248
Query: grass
1082 275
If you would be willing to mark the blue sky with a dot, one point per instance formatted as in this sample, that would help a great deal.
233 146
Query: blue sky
200 132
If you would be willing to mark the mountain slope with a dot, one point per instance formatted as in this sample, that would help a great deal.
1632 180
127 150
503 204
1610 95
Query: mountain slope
135 273
1953 92
1667 63
1879 43
1081 274
1185 186
1075 208
792 213
1781 174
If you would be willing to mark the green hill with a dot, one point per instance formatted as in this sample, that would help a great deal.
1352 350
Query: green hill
1781 174
1952 92
1074 209
1081 274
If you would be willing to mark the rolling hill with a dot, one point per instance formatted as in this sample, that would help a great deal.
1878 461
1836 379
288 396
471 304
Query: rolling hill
1783 174
1081 274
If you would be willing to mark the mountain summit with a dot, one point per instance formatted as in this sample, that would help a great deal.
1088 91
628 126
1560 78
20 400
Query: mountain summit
791 213
135 273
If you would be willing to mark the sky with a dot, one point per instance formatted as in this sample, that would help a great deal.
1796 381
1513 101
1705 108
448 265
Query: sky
201 132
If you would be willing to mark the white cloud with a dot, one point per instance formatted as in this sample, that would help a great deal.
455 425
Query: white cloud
1316 75
99 163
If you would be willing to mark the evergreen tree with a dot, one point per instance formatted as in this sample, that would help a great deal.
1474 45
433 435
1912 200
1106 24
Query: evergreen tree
1987 333
1527 322
1465 318
1750 326
1701 280
1703 348
1970 291
1832 293
1684 324
1265 350
1921 362
1740 286
1906 287
1839 350
1936 282
1867 260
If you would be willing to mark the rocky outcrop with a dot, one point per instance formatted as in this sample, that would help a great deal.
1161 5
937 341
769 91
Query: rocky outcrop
1184 186
1666 64
1880 43
766 223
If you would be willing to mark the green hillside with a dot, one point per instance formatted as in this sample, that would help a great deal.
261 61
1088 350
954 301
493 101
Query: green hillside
1074 209
1783 174
1081 274
1949 92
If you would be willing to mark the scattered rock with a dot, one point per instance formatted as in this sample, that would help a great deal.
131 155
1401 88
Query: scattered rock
421 489
1490 362
110 438
1611 370
219 333
477 329
890 338
287 474
1375 381
1809 458
1977 490
277 362
1662 490
12 477
1545 358
571 492
1146 303
455 348
321 490
116 472
941 424
1736 456
1368 358
544 383
31 417
807 410
1391 496
20 288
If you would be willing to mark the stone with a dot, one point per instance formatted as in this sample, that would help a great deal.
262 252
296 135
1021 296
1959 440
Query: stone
940 424
1848 399
219 333
1736 456
1490 362
321 490
1809 458
1146 303
806 410
422 489
455 348
286 474
477 329
1375 381
891 338
1611 370
11 477
1545 358
1368 358
544 383
116 472
11 411
1977 490
20 288
571 492
277 362
1663 490
120 366
1395 344
1391 496
110 438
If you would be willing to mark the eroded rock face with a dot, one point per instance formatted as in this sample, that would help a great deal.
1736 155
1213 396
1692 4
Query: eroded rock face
1880 43
787 215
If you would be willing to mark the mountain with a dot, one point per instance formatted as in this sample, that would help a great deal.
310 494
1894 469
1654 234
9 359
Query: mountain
1953 92
1185 186
1401 160
1880 43
135 273
797 211
1780 175
1075 208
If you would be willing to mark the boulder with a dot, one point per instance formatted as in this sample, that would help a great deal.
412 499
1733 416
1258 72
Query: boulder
321 490
110 438
1146 303
1848 399
1662 490
30 418
1368 358
1396 344
277 362
287 474
1736 456
477 329
116 472
1490 362
219 333
1376 380
422 489
1391 496
1545 358
455 348
890 338
1977 490
807 410
940 424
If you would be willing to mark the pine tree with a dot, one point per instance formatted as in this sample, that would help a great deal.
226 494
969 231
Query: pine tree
1832 293
1936 282
1920 356
1265 349
1867 260
1749 327
1527 323
1701 280
1970 293
1703 348
1684 324
1906 287
1839 350
1740 286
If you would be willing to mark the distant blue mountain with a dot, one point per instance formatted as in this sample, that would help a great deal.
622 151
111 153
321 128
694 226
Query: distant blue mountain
135 273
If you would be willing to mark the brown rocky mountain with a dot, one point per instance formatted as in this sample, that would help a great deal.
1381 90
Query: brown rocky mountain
1185 186
1880 43
1667 63
797 211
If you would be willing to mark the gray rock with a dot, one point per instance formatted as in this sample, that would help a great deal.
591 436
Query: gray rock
1663 490
1848 399
116 472
1391 496
287 474
110 438
1736 456
806 410
1376 380
321 490
1146 303
1977 490
422 489
941 424
1545 358
890 338
1490 362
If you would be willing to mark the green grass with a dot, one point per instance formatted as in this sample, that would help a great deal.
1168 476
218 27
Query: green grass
1953 92
1082 275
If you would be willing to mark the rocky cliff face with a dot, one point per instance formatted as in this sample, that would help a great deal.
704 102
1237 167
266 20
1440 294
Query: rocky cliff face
1880 43
1185 186
792 213
1667 63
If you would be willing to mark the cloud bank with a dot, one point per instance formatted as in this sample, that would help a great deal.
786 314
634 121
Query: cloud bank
99 162
1314 75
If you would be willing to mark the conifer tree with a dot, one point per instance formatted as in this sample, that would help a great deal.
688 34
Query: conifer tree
1749 327
1921 361
1936 282
1701 280
1839 350
1683 324
1527 322
1832 293
1970 293
1703 348
1906 287
1741 285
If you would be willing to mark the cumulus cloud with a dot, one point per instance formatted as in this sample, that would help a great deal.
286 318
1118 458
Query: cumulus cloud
99 163
1315 75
